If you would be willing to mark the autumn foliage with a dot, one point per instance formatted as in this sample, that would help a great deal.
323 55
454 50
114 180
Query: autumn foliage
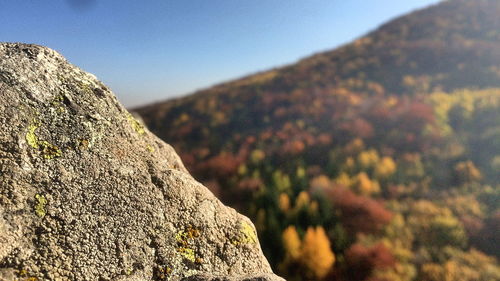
376 161
313 253
359 213
363 260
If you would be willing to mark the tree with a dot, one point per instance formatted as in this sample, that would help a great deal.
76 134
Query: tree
359 213
316 254
368 159
362 261
291 243
284 202
365 186
385 168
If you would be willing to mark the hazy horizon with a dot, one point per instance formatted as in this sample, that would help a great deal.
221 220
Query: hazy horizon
166 49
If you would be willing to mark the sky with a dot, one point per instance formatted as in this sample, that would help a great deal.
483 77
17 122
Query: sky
153 50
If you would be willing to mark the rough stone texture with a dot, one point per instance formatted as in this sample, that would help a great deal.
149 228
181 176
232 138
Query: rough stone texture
87 193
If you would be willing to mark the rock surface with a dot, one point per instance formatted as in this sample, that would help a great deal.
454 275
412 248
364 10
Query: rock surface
88 193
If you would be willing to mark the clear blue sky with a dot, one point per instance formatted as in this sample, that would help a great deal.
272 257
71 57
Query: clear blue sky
150 50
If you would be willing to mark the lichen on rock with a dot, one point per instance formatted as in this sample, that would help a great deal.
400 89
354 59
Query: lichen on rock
40 205
88 193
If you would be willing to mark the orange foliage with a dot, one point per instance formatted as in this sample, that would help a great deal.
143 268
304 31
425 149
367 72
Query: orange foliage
366 186
355 146
316 254
284 202
320 183
291 242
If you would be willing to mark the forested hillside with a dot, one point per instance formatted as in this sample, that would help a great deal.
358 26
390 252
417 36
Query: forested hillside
379 160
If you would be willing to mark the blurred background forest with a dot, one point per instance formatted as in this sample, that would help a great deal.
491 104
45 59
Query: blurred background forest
379 160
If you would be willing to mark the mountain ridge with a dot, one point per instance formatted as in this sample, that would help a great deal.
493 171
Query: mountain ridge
381 156
362 40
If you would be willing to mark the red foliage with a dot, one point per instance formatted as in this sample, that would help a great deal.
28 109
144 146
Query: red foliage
222 165
472 225
362 261
359 127
324 139
250 184
359 213
414 116
293 147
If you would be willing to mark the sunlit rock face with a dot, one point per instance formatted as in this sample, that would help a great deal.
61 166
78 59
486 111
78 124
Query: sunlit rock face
88 193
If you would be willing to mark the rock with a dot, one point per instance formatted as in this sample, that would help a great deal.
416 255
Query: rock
206 277
88 193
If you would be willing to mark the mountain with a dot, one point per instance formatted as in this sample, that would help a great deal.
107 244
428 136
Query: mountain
87 193
381 156
450 46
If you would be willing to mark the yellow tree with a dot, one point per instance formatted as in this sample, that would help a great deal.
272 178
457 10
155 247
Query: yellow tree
291 243
364 185
385 168
284 202
368 159
316 254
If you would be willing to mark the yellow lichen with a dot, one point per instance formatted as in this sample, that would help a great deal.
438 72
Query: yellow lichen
187 253
184 240
58 104
31 137
150 148
183 236
24 274
136 125
40 206
247 235
48 150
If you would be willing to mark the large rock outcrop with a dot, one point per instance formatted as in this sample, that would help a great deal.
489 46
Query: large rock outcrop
88 193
